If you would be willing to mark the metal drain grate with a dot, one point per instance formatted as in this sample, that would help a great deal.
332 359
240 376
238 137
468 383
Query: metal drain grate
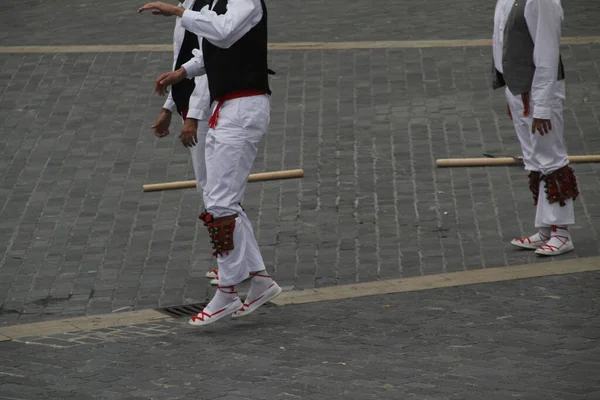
182 311
189 310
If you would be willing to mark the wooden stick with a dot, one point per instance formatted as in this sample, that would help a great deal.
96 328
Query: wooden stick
260 177
489 162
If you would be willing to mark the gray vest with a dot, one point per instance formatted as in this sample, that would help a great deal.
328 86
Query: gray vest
517 55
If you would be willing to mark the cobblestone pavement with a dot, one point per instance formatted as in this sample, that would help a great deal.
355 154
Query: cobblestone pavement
78 236
533 339
64 22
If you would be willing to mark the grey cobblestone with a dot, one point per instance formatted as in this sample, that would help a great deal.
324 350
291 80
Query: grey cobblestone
115 22
82 237
527 339
78 236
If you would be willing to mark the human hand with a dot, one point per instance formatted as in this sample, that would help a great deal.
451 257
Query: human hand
188 133
543 126
525 99
161 125
168 79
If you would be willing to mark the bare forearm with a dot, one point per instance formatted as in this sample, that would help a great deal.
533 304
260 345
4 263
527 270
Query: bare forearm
160 8
179 11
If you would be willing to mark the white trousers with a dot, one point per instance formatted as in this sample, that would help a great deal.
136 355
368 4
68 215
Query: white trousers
231 149
544 154
198 156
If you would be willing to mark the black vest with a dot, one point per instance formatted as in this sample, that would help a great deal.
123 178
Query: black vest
518 66
243 66
183 90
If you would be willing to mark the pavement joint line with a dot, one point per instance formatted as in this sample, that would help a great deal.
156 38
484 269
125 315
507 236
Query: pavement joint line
391 286
356 45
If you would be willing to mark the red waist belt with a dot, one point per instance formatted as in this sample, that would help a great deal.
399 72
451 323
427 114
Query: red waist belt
212 122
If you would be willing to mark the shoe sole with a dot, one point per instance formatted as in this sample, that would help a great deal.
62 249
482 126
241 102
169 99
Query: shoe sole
215 282
526 246
215 319
261 302
555 253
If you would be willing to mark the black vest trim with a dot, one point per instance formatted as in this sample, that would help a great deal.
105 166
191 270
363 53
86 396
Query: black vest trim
243 66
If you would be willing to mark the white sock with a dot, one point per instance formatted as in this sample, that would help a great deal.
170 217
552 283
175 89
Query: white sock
545 233
561 231
222 298
260 282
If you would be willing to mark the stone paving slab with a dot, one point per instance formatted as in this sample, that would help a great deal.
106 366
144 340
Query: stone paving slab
530 339
78 236
64 22
72 326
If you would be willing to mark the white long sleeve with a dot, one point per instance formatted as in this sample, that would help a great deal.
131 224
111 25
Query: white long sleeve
199 106
500 14
544 20
178 35
195 67
169 103
226 29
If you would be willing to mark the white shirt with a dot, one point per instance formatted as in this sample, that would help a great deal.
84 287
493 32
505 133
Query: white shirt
544 20
221 30
200 98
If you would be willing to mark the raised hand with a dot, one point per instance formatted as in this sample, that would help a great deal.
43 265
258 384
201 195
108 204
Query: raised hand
160 8
168 79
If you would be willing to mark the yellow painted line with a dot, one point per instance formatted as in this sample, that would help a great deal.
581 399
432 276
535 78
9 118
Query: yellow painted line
377 44
437 281
81 324
408 44
420 283
125 48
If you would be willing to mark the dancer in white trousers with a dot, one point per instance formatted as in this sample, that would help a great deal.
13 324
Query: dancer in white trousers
526 49
234 58
191 99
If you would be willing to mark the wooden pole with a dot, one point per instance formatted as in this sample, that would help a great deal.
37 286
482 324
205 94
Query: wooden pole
489 162
260 177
